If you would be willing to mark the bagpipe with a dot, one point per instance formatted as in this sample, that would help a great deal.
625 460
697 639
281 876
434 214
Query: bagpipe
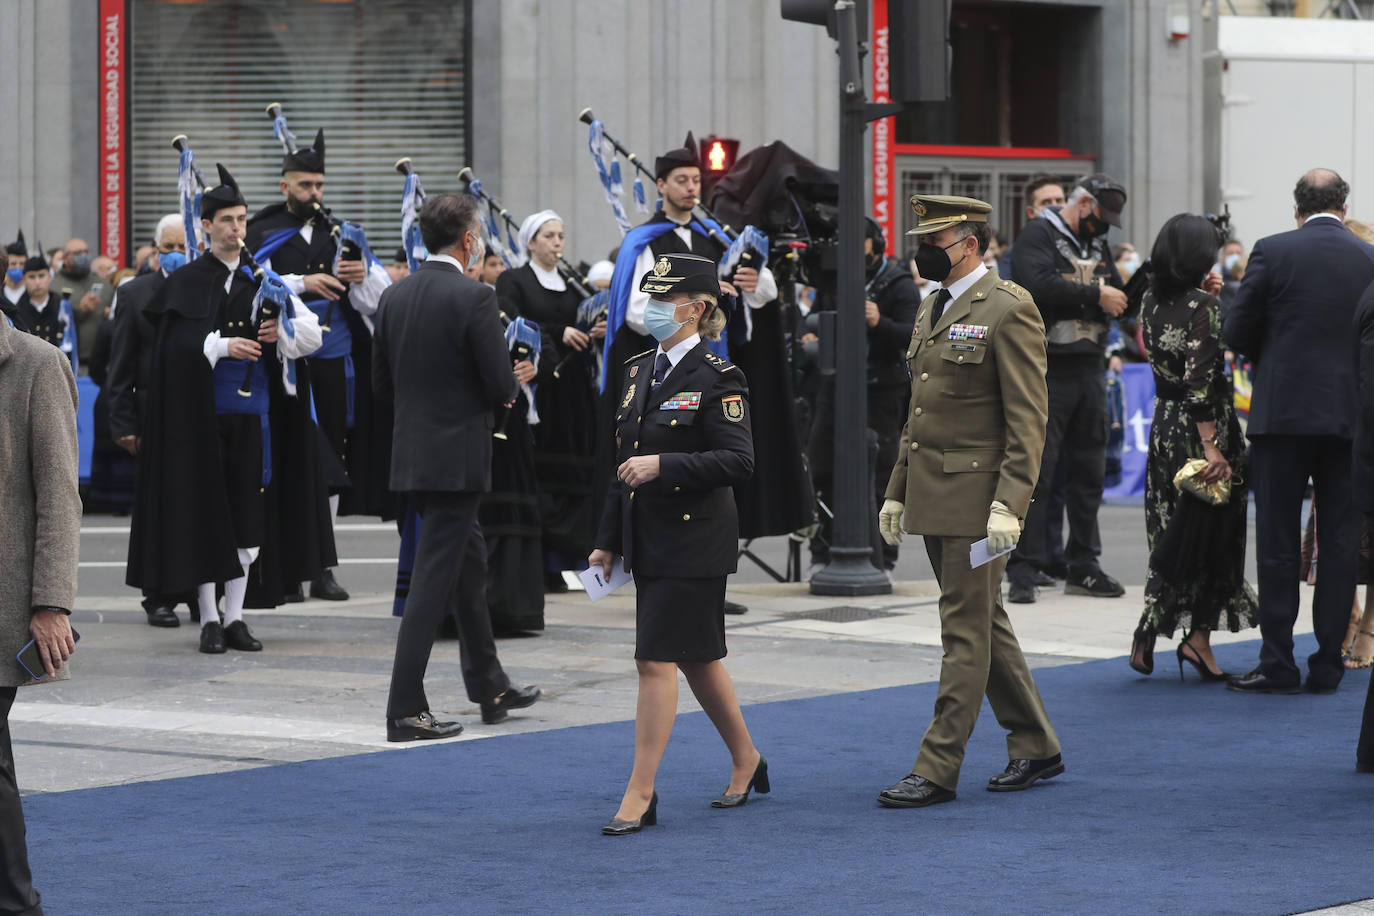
523 342
271 300
412 196
190 187
594 309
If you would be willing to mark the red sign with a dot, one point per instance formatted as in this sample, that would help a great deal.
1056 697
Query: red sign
113 193
884 166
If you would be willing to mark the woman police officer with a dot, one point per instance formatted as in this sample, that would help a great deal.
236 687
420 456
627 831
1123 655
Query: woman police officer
683 440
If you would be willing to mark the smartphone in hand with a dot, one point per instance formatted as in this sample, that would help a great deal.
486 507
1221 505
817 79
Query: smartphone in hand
31 661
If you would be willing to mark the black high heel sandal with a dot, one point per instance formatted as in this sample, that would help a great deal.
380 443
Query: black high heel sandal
1145 642
1207 674
758 783
649 818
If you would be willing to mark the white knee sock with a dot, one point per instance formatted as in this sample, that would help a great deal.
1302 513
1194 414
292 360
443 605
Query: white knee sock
333 512
234 591
205 597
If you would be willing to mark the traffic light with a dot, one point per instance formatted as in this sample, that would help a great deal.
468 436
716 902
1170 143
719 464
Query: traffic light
718 155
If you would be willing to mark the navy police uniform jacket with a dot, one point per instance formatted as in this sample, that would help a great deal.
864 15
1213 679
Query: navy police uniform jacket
682 524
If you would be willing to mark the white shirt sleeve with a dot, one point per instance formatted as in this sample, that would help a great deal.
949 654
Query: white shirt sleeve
765 292
365 295
215 348
307 335
634 310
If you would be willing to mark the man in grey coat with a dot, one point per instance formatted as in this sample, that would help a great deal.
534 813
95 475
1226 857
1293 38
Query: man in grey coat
40 527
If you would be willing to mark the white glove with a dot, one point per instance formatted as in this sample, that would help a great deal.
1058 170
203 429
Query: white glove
890 521
1004 529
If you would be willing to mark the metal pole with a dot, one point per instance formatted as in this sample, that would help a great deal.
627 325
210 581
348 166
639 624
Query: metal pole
851 570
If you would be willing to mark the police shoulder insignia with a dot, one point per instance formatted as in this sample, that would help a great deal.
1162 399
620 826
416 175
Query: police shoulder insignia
720 365
733 406
638 356
662 267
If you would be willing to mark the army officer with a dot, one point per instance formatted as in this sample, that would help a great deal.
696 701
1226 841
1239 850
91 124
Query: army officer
970 454
682 440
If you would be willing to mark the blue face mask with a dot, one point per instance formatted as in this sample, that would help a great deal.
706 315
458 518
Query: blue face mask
16 274
171 260
659 321
478 254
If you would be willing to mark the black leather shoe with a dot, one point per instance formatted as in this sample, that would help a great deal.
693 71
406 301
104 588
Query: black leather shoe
649 818
1021 593
162 616
1094 583
1042 580
326 589
1258 682
420 727
237 636
732 607
914 792
758 783
1022 774
494 711
1364 766
212 639
295 597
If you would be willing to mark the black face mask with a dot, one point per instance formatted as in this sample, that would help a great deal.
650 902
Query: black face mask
1091 226
933 263
872 262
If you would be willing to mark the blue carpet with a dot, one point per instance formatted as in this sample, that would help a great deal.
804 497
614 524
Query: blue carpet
1179 798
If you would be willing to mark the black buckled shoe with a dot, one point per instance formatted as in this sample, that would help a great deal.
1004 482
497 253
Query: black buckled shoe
162 616
1094 583
1258 682
237 636
212 638
1022 774
325 588
914 792
494 711
420 727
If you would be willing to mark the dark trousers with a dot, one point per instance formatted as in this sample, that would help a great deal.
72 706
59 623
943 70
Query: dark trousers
1076 438
16 884
451 561
1280 467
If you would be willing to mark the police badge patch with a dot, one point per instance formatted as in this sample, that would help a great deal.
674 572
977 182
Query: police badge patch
634 370
733 406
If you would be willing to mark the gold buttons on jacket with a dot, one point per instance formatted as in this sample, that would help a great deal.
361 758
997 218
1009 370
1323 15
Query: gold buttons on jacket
915 446
917 411
632 494
931 342
974 464
686 516
673 422
925 376
636 443
677 489
959 360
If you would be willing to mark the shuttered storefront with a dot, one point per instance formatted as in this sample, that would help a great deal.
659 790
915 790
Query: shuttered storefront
384 78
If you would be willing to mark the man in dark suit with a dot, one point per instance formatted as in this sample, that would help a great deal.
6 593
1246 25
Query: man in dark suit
440 363
1293 316
1363 481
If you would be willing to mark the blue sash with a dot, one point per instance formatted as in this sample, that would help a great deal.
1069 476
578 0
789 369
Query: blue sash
228 377
273 242
338 344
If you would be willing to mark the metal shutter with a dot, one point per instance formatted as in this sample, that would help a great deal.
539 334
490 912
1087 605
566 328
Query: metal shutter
384 78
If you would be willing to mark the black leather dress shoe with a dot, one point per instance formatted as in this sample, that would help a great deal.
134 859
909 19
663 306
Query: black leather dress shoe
494 711
212 639
326 589
237 636
162 616
914 792
1363 766
757 783
420 727
295 597
1258 682
1021 593
732 607
1022 774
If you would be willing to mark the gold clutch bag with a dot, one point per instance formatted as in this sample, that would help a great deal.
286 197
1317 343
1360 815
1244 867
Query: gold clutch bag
1216 493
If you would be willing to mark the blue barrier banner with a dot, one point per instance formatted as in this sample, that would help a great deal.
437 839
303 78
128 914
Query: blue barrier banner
86 391
1138 383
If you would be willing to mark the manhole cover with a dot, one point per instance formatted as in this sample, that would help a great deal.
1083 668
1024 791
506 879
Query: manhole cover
843 614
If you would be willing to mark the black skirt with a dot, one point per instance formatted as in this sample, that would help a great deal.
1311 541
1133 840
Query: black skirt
679 620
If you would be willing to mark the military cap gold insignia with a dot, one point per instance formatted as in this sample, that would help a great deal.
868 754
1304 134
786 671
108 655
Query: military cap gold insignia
935 212
662 267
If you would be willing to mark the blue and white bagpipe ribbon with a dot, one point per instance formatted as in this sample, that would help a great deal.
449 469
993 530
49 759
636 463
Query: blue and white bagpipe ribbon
67 316
283 133
524 334
509 250
751 241
350 231
273 290
602 150
189 189
412 196
594 308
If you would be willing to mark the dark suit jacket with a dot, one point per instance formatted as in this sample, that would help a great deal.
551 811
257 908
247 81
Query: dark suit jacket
440 362
131 355
683 523
1293 316
1362 457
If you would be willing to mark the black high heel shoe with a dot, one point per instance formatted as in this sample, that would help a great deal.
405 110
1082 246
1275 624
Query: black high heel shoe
649 818
1207 674
1145 642
758 783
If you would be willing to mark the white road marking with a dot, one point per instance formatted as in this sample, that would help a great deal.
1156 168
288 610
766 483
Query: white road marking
348 527
347 561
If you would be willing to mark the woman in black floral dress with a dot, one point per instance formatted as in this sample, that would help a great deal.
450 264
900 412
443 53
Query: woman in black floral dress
1195 417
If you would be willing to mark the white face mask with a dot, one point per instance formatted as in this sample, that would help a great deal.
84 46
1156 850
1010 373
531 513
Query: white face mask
1131 263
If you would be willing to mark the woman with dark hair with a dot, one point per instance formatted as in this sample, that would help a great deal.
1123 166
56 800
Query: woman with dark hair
1194 417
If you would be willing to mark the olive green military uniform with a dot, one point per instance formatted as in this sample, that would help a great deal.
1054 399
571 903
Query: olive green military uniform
974 434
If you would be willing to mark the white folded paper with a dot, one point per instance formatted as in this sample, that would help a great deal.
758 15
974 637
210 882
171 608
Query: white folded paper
598 586
978 553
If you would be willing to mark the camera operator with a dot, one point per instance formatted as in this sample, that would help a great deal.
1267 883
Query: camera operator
891 301
1064 261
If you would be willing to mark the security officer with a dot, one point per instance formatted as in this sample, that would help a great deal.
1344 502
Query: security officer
969 457
682 442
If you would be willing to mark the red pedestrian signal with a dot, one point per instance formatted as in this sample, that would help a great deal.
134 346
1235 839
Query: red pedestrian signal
719 154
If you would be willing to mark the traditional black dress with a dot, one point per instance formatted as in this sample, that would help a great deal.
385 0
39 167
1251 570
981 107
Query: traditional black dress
565 437
1183 339
114 472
